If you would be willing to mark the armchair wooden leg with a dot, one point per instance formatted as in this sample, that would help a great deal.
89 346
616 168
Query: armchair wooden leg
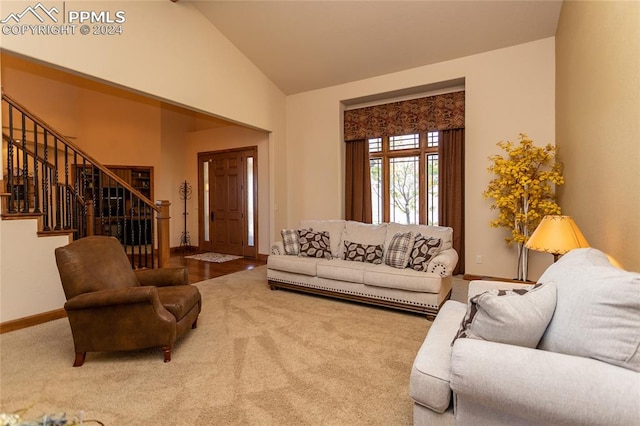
195 324
80 356
166 350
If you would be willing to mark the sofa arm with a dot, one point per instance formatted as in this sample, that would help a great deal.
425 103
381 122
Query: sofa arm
444 263
277 248
543 387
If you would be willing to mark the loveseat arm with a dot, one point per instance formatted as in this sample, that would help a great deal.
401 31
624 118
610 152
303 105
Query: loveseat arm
541 387
163 277
444 263
277 248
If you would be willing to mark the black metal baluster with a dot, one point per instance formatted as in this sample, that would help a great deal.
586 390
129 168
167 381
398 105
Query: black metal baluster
67 192
95 182
25 168
75 217
145 222
131 230
36 188
55 184
46 195
10 171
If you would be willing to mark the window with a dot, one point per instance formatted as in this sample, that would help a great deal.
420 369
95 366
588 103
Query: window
404 178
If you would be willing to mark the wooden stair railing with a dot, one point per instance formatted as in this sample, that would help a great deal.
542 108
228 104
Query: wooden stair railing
48 175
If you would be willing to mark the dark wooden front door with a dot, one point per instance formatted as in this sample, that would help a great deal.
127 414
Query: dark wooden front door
224 204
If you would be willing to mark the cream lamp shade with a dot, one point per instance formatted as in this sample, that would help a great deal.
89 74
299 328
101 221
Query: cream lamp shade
556 235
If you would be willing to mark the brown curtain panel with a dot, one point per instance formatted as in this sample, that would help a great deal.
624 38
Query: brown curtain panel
357 182
451 183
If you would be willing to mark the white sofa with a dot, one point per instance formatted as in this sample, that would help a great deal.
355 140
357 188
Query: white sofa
379 284
585 369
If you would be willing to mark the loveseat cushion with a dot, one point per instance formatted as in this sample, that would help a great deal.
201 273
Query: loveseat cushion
514 317
294 264
597 312
430 374
402 279
179 300
342 270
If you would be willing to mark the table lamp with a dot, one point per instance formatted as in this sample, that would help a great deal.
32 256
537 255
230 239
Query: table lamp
556 235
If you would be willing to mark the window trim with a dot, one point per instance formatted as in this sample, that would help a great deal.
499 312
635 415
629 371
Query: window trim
421 152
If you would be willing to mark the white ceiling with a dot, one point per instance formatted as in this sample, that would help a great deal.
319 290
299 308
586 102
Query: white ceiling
305 45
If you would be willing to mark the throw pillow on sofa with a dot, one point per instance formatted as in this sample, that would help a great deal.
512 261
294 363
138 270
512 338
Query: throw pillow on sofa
399 250
598 311
291 241
357 252
314 244
514 317
424 249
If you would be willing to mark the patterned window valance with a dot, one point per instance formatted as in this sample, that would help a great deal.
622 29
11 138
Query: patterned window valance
441 112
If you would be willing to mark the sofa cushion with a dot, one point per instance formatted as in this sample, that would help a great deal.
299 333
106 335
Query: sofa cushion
365 233
402 279
294 264
430 374
445 233
598 310
398 252
424 249
290 241
335 228
514 317
342 270
314 244
355 252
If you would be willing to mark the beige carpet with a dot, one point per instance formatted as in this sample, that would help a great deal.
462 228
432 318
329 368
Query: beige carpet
257 357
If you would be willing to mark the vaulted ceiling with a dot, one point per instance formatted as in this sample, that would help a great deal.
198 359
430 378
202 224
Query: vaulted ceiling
305 45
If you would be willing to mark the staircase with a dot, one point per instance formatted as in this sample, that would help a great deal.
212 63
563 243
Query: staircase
48 177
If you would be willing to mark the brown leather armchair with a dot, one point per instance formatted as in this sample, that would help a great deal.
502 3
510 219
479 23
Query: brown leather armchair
111 307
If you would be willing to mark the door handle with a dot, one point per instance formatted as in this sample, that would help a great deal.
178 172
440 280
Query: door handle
211 216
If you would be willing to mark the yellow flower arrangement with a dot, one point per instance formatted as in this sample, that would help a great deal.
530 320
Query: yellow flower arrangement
523 191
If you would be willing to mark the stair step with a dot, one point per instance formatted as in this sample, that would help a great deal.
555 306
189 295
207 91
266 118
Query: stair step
56 232
20 216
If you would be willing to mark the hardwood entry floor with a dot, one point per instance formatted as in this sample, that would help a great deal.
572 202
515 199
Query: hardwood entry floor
200 270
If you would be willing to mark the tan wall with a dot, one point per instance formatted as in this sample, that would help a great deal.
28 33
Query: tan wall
219 139
508 91
27 288
598 123
170 52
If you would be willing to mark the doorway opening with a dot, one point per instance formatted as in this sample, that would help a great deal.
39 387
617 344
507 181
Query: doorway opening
227 201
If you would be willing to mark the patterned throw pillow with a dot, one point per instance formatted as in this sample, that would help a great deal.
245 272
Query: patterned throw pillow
314 244
362 253
291 241
514 317
424 249
399 250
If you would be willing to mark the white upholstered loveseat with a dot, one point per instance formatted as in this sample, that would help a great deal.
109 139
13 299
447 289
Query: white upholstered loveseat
379 284
583 370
